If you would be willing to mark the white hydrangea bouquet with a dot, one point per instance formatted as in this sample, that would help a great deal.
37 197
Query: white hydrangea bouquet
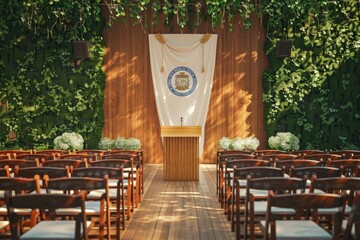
106 143
284 141
69 141
239 144
120 143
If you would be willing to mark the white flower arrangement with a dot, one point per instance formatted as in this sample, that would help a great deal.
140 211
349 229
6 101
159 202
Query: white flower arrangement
69 141
120 143
284 141
224 143
106 143
239 144
132 144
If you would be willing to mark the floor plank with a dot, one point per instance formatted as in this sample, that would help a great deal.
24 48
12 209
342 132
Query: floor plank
178 210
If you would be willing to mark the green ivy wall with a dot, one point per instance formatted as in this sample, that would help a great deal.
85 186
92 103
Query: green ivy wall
315 93
44 89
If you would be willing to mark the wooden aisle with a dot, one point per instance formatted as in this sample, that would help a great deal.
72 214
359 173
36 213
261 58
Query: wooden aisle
178 210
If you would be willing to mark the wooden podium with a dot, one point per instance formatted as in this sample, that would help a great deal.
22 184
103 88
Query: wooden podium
181 153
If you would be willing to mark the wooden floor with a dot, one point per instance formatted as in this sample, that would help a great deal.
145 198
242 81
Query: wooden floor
178 210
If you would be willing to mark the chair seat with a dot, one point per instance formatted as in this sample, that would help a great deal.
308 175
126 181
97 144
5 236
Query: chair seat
332 211
58 230
255 192
299 229
98 193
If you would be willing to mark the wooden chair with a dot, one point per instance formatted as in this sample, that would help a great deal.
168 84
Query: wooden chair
45 229
40 157
349 166
324 157
219 158
263 152
304 153
13 163
116 192
337 185
98 206
16 185
318 171
128 182
243 174
42 172
96 154
62 163
5 156
226 174
14 153
278 157
255 207
132 171
54 152
296 163
346 154
301 228
351 226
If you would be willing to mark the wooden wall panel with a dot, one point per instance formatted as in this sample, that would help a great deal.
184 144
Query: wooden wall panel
236 107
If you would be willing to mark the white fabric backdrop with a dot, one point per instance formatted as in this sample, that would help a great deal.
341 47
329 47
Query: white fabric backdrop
183 53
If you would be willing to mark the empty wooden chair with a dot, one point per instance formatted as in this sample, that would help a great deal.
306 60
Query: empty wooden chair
346 154
219 158
349 167
300 228
256 207
243 174
45 229
98 207
324 157
116 192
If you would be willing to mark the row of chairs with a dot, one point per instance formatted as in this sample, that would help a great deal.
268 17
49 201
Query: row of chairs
71 167
295 166
92 183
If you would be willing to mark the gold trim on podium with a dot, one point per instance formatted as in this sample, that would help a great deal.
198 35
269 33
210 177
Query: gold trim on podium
181 152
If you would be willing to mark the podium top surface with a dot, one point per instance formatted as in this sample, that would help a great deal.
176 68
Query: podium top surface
181 131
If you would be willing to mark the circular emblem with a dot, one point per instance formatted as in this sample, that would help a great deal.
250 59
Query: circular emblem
182 81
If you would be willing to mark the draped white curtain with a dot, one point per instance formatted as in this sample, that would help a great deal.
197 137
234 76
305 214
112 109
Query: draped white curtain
182 68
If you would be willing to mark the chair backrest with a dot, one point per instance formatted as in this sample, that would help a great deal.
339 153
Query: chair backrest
5 156
263 152
232 157
305 153
257 172
279 157
96 154
346 154
78 184
305 201
324 157
51 172
242 163
39 157
54 152
19 184
99 172
19 163
14 153
279 185
349 167
320 172
296 163
49 202
337 185
61 163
